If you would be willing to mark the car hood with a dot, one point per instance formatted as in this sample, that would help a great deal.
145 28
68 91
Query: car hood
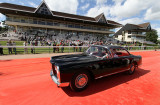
72 59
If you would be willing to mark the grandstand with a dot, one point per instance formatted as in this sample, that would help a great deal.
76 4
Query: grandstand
28 23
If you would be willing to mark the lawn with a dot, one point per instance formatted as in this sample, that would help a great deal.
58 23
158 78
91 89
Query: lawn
40 50
18 43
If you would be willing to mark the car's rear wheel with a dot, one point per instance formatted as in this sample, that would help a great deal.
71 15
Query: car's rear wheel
132 69
80 81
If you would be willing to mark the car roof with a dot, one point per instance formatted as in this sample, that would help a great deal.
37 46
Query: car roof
109 46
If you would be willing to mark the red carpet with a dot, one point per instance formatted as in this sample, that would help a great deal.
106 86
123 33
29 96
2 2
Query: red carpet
28 82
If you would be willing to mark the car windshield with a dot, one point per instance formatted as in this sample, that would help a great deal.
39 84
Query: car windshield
97 51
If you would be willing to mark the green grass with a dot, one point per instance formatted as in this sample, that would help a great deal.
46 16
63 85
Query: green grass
18 43
39 50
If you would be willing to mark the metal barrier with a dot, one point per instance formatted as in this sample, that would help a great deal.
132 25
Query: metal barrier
62 49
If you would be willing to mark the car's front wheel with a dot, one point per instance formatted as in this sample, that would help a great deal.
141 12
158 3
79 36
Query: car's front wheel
80 81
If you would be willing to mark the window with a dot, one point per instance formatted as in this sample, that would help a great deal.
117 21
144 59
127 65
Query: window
16 19
119 52
129 36
9 19
98 52
31 21
77 26
99 28
23 20
34 21
70 25
50 23
63 24
94 28
56 24
41 22
129 32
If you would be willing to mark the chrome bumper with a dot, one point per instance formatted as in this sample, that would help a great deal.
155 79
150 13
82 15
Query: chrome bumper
54 78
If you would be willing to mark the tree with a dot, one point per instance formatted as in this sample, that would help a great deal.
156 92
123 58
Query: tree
152 36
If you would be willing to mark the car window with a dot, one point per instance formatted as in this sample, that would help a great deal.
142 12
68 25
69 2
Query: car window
119 52
98 52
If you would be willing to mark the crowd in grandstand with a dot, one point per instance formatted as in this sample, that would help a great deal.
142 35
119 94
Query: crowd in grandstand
59 39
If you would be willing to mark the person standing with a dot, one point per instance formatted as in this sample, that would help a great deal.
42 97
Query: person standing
9 43
54 48
1 50
32 49
62 44
62 48
25 49
14 48
57 49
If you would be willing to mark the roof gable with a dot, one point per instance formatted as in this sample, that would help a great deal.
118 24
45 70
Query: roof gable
101 18
43 9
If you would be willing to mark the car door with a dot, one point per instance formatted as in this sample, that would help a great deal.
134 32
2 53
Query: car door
122 62
106 65
113 65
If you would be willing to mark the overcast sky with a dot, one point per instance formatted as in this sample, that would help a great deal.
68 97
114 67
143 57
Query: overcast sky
122 11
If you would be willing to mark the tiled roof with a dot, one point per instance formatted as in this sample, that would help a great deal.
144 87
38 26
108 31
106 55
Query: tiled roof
144 25
60 14
113 22
18 7
72 16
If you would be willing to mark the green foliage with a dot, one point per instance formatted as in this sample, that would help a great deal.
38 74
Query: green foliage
152 36
158 41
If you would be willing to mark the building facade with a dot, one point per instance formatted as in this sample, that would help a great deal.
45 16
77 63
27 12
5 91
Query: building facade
133 33
29 22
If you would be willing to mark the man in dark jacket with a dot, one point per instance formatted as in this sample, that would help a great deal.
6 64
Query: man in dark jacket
1 50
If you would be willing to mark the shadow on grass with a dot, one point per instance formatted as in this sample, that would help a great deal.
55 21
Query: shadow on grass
106 83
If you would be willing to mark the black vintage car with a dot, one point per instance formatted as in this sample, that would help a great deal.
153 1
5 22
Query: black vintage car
97 61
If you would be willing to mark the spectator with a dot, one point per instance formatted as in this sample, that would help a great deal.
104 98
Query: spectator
62 44
25 49
9 43
32 49
57 49
14 48
62 48
1 50
80 48
54 48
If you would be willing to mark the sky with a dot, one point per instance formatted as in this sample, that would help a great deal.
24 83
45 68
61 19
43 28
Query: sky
121 11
